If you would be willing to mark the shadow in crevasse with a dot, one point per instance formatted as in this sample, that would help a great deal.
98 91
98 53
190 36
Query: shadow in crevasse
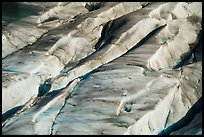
194 55
42 90
147 37
13 11
107 35
10 112
195 109
198 50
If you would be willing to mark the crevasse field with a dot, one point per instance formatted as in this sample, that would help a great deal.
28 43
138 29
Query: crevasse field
92 68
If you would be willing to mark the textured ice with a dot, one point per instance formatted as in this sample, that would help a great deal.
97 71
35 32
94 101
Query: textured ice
102 68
